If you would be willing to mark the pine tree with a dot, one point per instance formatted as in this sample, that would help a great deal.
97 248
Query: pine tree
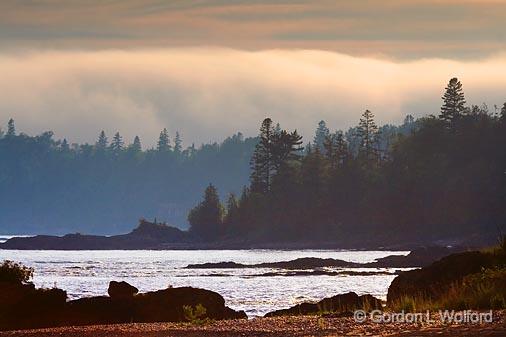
102 141
367 132
163 144
336 149
11 129
322 132
136 145
117 144
503 113
232 208
65 145
453 102
261 162
206 219
178 143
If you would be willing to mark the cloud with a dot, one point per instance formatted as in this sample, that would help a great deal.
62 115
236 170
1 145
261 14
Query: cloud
397 28
210 93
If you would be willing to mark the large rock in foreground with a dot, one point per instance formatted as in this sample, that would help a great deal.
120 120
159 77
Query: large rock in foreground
434 280
343 303
23 307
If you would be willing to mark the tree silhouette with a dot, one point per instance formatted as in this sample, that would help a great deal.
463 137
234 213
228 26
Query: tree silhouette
336 149
11 129
136 145
117 144
322 132
367 132
163 144
206 218
102 141
178 147
453 102
503 113
262 160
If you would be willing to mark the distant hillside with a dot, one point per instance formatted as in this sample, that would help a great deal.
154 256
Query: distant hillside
48 186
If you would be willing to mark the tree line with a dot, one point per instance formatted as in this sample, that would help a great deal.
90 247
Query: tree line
437 176
51 186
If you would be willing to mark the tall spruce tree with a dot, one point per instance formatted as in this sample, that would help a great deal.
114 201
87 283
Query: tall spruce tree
453 102
101 144
367 132
163 144
178 143
322 132
262 161
117 144
136 145
11 129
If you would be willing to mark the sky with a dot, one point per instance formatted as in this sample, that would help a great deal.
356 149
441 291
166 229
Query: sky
211 68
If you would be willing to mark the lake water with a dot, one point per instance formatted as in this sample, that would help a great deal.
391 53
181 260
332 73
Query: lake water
87 273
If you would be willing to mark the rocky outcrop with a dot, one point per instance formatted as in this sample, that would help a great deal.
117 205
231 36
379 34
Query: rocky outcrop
147 235
432 281
23 306
417 258
119 290
339 304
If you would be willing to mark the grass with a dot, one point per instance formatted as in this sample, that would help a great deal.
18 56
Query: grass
483 290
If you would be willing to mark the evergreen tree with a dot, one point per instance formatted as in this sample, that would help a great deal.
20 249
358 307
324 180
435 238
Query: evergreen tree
232 208
503 113
453 102
136 145
64 145
117 144
367 132
163 141
285 147
262 163
336 149
178 143
11 129
206 219
102 141
322 132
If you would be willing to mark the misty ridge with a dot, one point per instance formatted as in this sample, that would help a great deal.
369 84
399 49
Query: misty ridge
441 176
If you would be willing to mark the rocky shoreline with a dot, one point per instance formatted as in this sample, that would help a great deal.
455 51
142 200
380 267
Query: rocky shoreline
156 236
286 326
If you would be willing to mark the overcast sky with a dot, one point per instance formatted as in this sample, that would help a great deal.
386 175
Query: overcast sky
211 68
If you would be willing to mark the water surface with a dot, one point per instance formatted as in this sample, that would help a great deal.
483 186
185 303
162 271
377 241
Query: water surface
87 273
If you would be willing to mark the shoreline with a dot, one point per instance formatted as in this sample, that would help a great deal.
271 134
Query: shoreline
278 326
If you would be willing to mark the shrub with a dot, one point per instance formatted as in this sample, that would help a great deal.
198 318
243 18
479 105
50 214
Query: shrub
195 315
12 272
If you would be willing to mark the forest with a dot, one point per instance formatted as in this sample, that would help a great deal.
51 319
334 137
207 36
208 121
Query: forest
442 176
49 186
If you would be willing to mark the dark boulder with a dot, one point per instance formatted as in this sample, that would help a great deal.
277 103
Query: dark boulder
121 289
23 306
342 303
434 280
166 305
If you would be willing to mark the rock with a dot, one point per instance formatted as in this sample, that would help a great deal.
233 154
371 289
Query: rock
22 306
121 290
343 303
432 281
